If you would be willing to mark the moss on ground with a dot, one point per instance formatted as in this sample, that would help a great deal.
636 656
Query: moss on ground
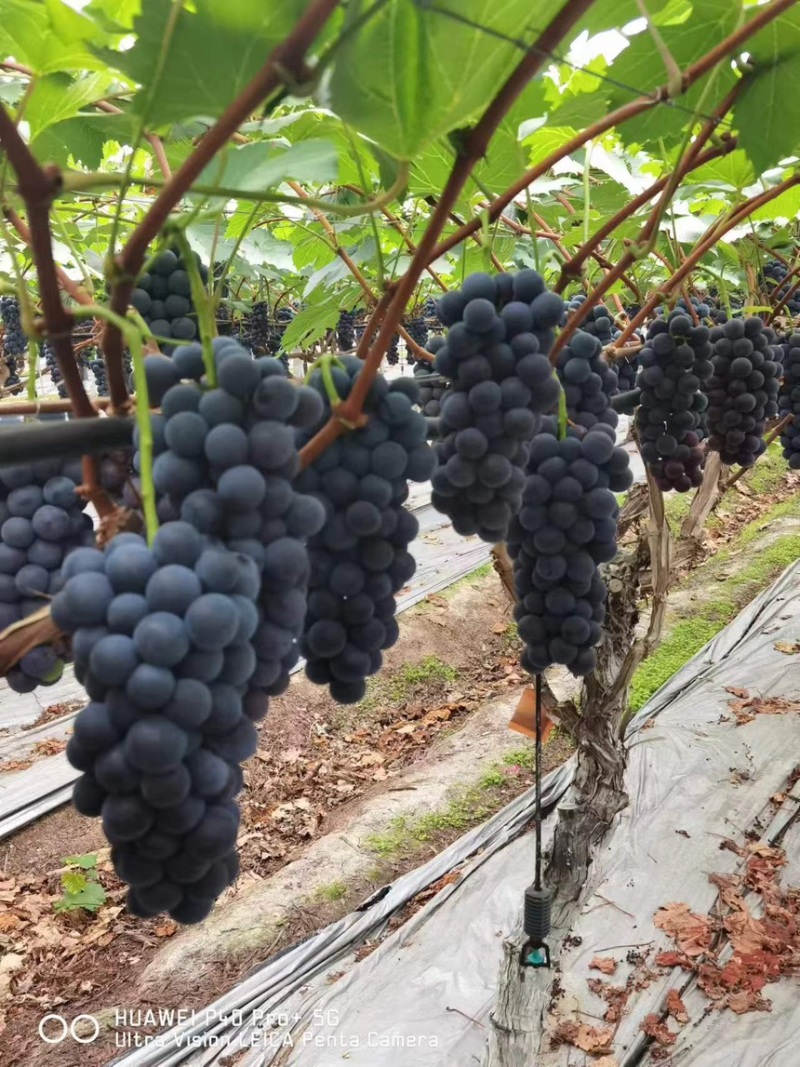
468 806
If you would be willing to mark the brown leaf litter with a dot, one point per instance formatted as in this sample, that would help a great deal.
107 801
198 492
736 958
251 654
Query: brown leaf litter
746 707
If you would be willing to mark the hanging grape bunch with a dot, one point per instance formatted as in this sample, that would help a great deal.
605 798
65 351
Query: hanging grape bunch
675 363
417 329
258 330
588 381
360 558
51 362
495 357
225 463
393 351
163 297
42 520
789 401
431 392
598 323
180 644
568 521
345 331
742 390
160 750
15 343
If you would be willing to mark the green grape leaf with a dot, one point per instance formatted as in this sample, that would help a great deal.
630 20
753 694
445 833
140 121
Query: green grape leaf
641 68
212 52
321 314
262 165
412 74
785 206
56 97
767 115
49 37
91 898
73 882
86 862
83 138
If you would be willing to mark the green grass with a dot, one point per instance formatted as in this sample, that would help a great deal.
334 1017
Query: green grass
688 635
333 892
468 806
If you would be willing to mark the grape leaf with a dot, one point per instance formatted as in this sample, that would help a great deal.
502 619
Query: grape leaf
212 52
314 321
56 97
262 165
768 118
48 36
413 74
86 862
82 137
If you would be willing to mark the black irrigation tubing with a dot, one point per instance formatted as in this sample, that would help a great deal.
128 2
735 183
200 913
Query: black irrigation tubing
30 441
465 20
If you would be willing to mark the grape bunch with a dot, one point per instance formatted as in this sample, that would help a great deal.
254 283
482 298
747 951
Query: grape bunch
789 401
587 381
700 307
259 332
360 558
627 369
417 330
742 390
41 522
430 393
163 297
345 331
393 351
225 460
566 527
674 365
15 343
51 362
495 357
598 323
161 741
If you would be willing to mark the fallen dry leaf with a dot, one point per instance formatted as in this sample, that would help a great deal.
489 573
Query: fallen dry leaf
660 1032
747 934
675 1007
673 959
745 1001
737 691
692 932
789 648
582 1036
605 964
605 1061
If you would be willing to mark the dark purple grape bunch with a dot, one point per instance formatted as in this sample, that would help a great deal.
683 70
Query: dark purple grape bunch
742 390
670 421
598 323
42 520
226 460
360 558
566 527
163 297
588 381
259 331
495 357
15 343
417 330
789 401
345 331
161 743
431 389
393 351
